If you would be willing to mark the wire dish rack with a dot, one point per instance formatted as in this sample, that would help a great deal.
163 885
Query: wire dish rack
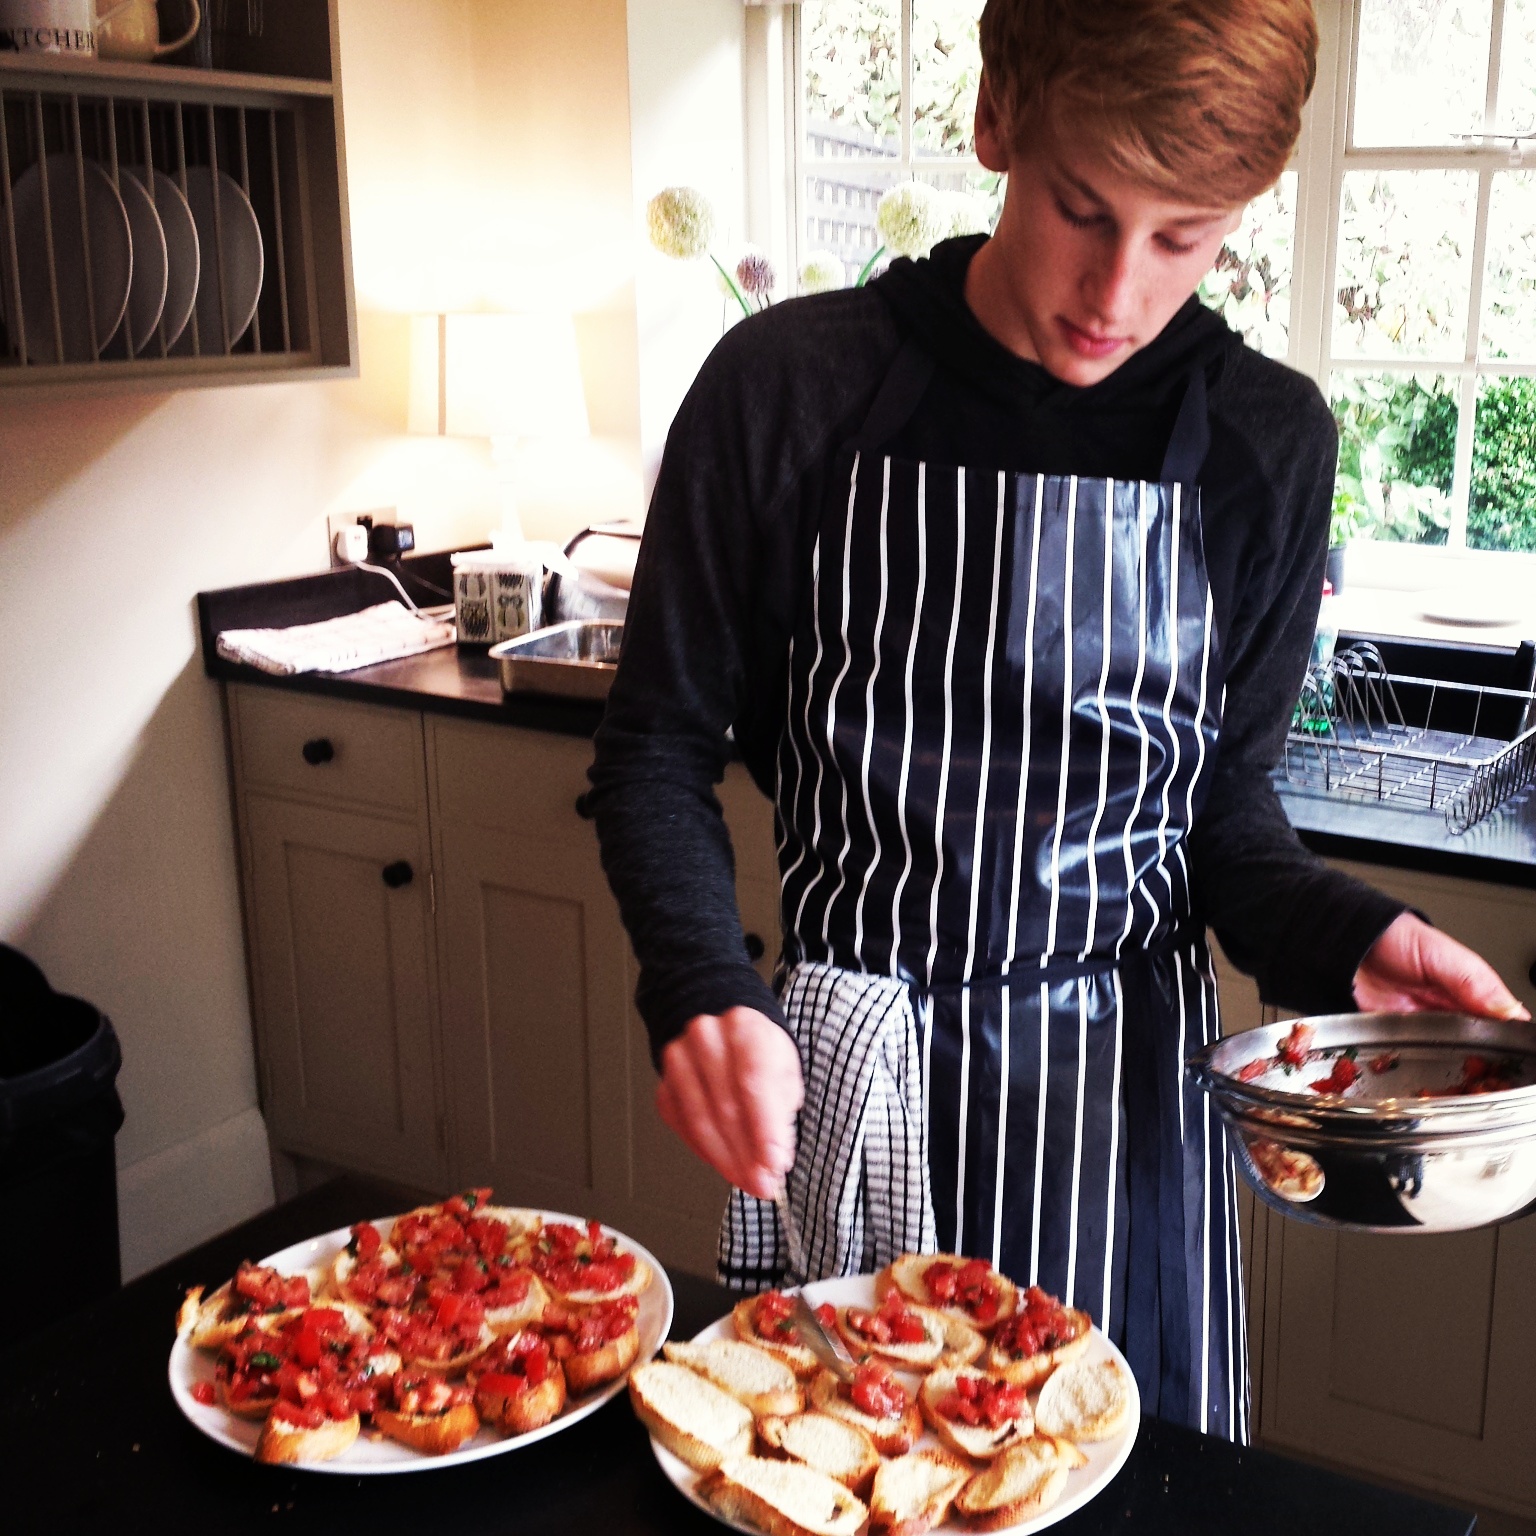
1363 733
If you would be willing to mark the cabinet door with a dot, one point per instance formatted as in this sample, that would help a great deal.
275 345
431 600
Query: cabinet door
341 919
1414 1356
534 1019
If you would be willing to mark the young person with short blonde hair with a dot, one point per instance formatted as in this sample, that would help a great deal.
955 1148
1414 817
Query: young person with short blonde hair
1002 574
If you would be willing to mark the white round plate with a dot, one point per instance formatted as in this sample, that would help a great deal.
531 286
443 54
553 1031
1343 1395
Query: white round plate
111 257
369 1455
146 294
237 242
1104 1459
1475 610
182 260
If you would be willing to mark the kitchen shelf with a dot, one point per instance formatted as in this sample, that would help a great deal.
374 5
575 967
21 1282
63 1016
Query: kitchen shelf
257 154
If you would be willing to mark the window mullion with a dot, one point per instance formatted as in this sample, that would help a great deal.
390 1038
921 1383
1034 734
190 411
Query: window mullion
906 86
1466 416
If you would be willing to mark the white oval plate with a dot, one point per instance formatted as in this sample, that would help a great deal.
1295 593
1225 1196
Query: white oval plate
230 244
368 1454
182 259
1104 1459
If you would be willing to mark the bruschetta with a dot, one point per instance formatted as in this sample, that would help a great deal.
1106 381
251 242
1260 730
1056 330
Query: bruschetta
969 1290
305 1432
582 1266
903 1335
255 1292
767 1321
1040 1336
594 1345
875 1402
518 1383
427 1413
974 1414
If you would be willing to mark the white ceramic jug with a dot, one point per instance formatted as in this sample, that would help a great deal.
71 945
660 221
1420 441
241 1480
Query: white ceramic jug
130 29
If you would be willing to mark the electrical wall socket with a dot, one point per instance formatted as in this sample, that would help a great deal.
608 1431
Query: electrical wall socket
337 522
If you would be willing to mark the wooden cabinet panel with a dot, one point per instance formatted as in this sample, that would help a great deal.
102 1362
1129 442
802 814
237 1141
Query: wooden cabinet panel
534 1018
375 753
343 978
511 780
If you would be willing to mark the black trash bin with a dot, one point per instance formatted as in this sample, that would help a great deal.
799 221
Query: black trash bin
59 1117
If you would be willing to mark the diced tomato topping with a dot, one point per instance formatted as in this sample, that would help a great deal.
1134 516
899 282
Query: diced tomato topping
259 1289
1296 1045
1255 1069
971 1286
979 1400
876 1392
1345 1071
202 1393
1041 1324
894 1323
1386 1062
772 1316
509 1288
516 1363
826 1315
300 1415
365 1241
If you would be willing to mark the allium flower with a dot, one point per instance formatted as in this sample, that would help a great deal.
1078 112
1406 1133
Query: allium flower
969 215
755 274
681 223
822 273
913 218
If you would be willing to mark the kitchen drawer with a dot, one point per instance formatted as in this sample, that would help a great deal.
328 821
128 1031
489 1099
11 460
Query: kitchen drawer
749 815
509 780
362 754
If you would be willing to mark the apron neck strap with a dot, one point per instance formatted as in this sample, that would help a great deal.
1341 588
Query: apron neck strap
1190 440
906 382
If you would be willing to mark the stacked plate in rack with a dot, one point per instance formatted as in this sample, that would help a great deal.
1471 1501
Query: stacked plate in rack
148 264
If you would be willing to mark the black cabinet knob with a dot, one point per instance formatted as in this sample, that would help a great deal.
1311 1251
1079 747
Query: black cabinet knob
1532 973
584 807
318 751
756 949
397 874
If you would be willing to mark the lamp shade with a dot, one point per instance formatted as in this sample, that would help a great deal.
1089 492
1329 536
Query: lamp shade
496 375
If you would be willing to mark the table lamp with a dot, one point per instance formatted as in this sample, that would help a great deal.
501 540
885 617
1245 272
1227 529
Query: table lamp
506 377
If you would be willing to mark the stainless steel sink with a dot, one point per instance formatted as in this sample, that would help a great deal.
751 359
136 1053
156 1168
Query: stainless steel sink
575 660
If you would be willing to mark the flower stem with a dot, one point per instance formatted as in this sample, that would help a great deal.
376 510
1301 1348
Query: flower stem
730 282
867 268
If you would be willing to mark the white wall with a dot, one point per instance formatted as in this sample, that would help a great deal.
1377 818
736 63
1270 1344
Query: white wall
116 848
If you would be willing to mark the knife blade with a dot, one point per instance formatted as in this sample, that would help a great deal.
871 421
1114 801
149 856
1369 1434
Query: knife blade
827 1347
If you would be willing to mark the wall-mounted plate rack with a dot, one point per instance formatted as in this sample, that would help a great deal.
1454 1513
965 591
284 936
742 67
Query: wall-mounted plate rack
163 225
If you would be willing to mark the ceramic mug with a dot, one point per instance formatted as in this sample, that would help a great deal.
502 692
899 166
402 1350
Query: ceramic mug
47 26
130 29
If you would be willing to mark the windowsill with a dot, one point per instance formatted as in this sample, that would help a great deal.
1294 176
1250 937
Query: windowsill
1404 591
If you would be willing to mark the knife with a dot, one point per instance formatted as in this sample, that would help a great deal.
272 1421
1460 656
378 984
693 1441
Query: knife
827 1347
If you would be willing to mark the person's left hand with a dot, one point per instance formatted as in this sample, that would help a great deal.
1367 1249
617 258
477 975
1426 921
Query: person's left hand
1413 968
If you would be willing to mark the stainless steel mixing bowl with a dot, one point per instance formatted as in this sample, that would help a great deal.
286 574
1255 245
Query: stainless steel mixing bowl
1378 1157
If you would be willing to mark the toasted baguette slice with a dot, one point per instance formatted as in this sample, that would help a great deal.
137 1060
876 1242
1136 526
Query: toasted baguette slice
345 1264
761 1380
1085 1401
433 1434
892 1437
520 1222
691 1417
913 1493
829 1444
283 1443
250 1407
796 1356
1021 1483
534 1408
211 1322
586 1373
963 1344
981 1442
906 1276
456 1365
783 1498
521 1314
1031 1370
920 1355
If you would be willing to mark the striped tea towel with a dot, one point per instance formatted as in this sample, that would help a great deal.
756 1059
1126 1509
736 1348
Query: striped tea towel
385 632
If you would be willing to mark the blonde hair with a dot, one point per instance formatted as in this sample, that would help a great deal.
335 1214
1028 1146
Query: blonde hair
1199 100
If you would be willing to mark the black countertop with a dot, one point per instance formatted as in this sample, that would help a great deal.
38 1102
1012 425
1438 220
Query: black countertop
463 681
94 1442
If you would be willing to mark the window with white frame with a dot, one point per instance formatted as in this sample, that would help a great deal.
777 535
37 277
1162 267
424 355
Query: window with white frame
1414 293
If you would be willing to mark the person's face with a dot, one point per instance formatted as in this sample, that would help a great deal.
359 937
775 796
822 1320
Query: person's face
1087 266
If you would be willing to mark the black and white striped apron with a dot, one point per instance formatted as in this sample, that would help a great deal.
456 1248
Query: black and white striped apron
1005 692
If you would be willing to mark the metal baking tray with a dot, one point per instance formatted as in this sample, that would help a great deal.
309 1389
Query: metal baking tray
575 660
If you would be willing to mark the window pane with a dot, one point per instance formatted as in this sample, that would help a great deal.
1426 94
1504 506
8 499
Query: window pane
1422 70
841 203
1517 68
1501 511
1405 258
1509 277
1397 451
852 78
1250 285
946 67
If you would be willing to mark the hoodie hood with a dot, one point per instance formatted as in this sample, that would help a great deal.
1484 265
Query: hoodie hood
927 298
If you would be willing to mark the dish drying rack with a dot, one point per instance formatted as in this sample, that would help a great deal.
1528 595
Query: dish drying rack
1351 738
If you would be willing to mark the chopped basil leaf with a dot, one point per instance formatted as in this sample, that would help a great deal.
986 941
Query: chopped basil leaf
265 1362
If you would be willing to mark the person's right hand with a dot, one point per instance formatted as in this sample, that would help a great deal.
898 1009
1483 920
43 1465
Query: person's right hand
731 1087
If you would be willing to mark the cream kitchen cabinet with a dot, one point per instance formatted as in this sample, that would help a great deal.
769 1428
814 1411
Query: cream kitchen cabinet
1413 1358
472 1021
